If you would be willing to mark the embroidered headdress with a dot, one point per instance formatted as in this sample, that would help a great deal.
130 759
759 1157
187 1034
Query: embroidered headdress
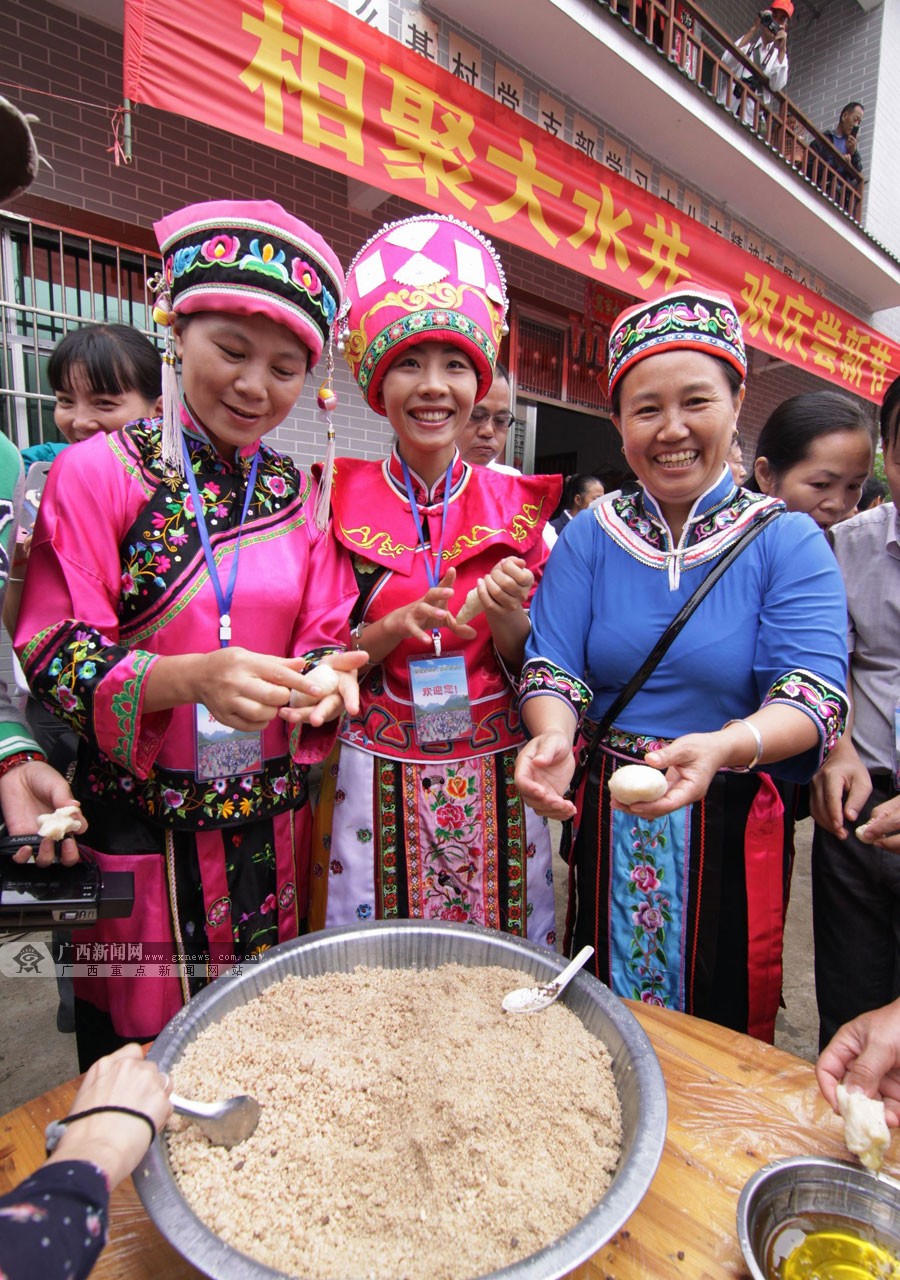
692 318
249 258
426 279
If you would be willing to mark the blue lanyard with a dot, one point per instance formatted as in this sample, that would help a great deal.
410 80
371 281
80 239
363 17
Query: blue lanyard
223 598
432 571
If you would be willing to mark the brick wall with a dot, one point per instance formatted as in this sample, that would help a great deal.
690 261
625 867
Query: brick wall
834 51
880 154
177 161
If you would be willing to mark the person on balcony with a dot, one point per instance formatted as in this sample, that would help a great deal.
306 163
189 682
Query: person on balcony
843 139
765 44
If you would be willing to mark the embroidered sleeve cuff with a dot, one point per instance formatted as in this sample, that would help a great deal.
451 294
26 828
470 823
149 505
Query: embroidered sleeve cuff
314 656
540 676
122 731
822 701
15 738
307 744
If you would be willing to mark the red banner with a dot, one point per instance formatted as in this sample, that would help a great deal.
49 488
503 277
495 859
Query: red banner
311 80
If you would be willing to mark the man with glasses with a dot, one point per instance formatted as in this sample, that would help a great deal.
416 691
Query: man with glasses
482 440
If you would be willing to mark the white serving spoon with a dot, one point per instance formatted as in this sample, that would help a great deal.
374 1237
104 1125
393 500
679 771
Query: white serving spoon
534 999
224 1123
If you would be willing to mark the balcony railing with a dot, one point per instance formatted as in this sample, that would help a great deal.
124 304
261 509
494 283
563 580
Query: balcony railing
692 42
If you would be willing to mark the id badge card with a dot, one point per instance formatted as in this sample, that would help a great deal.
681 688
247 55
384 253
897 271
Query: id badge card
440 698
223 752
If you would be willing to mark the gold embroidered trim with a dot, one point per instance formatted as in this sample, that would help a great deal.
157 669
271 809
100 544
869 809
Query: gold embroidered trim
381 542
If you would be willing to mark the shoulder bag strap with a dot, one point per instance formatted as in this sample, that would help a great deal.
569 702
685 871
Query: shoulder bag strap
653 659
588 751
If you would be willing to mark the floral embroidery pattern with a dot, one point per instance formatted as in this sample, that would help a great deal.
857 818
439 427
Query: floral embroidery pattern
406 327
641 533
124 707
219 912
183 802
634 745
452 856
165 537
539 675
646 951
294 278
387 863
716 329
827 704
517 851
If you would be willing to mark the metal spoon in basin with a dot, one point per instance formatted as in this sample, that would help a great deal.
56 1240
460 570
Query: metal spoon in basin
224 1123
534 999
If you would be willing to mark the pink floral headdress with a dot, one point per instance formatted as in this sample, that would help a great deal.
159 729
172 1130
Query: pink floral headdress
251 258
428 278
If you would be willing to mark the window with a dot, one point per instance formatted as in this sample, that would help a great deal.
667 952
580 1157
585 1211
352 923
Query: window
50 282
558 363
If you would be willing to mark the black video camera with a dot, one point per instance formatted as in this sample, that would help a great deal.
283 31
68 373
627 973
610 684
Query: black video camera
33 897
767 20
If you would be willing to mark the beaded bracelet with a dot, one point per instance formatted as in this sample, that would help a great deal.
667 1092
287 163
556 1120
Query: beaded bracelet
20 757
56 1128
745 768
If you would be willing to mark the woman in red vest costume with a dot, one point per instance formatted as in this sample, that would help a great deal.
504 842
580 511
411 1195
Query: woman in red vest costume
419 814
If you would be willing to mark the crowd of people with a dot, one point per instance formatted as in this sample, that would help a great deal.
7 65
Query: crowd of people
186 585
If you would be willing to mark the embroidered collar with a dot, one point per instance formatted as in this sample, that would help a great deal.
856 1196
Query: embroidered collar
425 497
724 490
718 516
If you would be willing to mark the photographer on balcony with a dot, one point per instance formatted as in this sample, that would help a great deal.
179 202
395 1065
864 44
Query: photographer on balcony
765 44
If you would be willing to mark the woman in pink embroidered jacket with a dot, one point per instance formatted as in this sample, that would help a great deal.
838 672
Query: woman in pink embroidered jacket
178 591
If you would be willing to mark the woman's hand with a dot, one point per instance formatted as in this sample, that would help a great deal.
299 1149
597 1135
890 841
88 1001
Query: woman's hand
690 764
506 588
239 688
415 621
544 769
111 1140
314 706
26 792
865 1054
419 619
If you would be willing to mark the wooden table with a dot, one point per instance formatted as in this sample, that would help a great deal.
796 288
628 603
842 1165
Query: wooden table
734 1104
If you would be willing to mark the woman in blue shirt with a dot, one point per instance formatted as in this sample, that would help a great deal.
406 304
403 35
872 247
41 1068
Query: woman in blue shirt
683 898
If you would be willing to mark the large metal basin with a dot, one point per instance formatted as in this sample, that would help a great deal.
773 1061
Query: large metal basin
415 944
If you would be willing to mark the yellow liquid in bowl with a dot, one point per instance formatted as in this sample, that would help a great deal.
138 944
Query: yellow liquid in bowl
812 1248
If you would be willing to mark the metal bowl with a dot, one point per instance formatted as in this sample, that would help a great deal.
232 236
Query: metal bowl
415 944
788 1189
